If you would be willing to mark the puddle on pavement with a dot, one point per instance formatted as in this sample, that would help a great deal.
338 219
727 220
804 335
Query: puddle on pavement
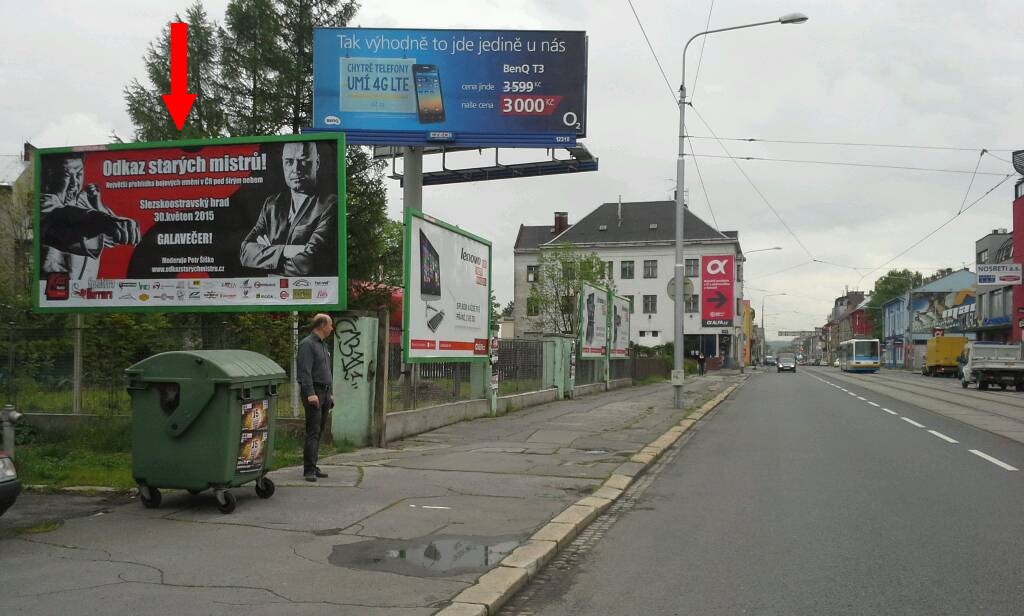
431 556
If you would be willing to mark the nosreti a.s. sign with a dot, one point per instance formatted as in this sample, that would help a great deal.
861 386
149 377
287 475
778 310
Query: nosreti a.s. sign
459 87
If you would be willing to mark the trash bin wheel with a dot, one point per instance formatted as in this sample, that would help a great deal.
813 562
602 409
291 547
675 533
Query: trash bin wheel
264 487
150 497
226 501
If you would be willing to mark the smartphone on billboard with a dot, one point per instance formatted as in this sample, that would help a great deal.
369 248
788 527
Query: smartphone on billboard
429 103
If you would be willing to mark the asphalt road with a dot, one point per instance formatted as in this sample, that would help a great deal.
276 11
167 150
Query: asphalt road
809 493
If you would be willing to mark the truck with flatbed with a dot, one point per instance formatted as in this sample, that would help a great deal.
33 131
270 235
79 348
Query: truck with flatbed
986 364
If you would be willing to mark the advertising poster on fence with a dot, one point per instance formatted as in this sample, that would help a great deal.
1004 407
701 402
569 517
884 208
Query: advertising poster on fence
468 87
717 280
620 327
593 320
233 224
447 292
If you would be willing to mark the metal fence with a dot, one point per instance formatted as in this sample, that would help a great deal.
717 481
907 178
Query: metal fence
37 364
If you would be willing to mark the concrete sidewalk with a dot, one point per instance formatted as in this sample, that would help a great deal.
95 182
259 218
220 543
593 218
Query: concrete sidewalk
418 528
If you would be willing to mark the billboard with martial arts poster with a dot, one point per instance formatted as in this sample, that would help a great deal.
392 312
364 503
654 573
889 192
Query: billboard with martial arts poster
252 223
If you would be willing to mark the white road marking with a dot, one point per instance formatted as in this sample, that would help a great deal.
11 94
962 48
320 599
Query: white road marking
890 412
428 507
861 398
873 403
943 437
982 454
911 422
851 393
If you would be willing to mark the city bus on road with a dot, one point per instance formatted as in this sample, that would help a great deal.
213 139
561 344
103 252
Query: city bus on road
859 356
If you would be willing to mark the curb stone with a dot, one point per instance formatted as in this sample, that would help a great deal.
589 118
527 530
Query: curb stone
497 586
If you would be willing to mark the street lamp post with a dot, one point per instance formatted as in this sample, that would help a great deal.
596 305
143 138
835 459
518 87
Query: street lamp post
764 332
678 333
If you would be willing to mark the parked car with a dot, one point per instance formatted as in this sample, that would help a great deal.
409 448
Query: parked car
786 361
769 360
10 486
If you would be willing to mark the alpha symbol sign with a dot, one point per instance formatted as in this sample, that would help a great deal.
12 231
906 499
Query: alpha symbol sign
717 290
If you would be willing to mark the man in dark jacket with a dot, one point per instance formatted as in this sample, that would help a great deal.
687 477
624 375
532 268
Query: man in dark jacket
313 367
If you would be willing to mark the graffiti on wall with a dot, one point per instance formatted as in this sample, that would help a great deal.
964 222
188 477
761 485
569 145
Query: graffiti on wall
349 339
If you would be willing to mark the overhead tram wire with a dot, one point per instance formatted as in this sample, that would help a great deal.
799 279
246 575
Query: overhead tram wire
754 186
939 228
700 59
853 144
971 184
844 164
675 101
783 271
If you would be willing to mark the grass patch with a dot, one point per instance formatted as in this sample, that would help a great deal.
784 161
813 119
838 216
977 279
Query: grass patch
100 455
288 449
46 527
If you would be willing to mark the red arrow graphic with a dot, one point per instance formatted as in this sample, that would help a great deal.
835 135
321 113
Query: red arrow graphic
179 102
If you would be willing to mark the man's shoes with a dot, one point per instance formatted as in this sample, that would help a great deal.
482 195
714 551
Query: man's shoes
319 473
309 476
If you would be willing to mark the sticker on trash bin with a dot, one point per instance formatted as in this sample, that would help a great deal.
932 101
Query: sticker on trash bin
252 451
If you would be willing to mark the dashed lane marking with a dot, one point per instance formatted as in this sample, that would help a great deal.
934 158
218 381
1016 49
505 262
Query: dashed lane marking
912 422
999 463
890 412
874 403
943 437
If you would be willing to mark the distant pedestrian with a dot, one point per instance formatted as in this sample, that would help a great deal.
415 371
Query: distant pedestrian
701 360
313 367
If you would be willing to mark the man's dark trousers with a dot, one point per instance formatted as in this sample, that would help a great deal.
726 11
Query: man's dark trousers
317 417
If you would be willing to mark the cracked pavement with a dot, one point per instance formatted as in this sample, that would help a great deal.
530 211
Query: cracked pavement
502 477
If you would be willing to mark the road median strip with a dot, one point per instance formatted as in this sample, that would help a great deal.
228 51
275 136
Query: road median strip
497 586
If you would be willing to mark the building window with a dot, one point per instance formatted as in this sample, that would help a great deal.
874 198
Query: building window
626 270
983 256
655 332
609 269
532 307
630 298
650 304
739 272
690 268
996 306
650 268
569 271
690 305
643 333
532 272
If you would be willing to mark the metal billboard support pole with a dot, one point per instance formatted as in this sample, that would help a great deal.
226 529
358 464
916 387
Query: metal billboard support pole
412 199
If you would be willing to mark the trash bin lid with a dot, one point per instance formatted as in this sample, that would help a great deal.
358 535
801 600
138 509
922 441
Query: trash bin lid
229 365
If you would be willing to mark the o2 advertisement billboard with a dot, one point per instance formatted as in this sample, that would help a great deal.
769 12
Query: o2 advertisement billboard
233 224
460 87
447 292
717 298
593 320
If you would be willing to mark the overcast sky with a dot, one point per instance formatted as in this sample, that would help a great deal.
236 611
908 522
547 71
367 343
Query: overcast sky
937 73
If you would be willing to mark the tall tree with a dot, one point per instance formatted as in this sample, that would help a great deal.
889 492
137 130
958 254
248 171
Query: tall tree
254 60
891 285
554 297
298 19
145 105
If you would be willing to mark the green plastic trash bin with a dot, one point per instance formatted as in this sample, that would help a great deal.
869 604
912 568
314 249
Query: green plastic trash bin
203 420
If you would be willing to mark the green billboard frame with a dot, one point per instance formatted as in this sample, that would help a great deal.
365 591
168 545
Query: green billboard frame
407 279
342 303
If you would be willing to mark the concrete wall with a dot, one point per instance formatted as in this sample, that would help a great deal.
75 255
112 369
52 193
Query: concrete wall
508 404
408 423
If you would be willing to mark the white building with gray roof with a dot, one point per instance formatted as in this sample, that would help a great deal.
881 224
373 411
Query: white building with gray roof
638 240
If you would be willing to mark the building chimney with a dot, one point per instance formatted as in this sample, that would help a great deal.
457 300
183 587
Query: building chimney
620 210
29 151
561 222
